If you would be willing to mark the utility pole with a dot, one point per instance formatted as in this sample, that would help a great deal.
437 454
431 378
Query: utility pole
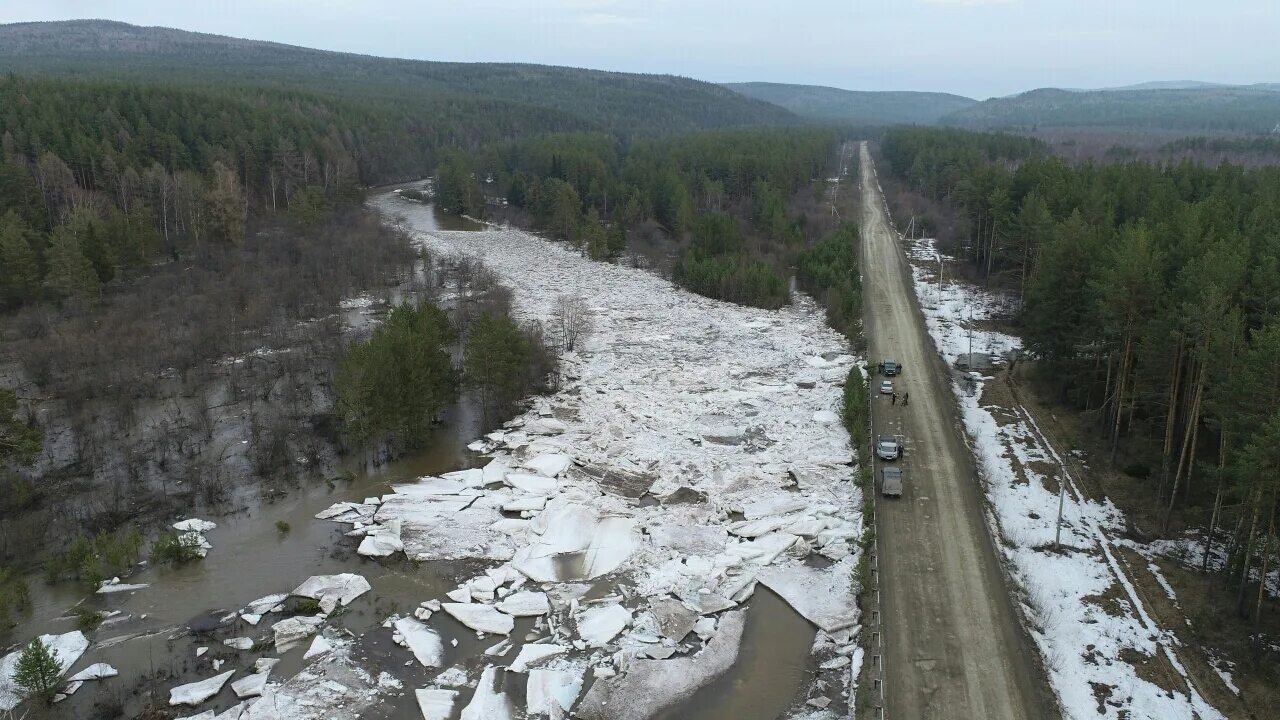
969 361
1062 496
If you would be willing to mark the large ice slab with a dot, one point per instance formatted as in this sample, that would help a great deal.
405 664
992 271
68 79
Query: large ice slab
578 544
484 618
331 688
597 626
490 701
422 641
197 692
435 703
292 631
550 693
333 590
67 647
646 687
824 597
525 604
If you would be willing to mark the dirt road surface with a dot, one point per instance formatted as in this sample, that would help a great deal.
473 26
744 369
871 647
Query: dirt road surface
953 645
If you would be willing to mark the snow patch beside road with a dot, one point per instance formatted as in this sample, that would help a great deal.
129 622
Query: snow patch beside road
1083 638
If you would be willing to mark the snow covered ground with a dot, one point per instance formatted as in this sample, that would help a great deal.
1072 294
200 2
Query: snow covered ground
1085 614
693 450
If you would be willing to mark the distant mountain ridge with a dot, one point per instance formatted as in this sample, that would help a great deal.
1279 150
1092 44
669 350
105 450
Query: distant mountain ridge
612 101
1203 109
856 107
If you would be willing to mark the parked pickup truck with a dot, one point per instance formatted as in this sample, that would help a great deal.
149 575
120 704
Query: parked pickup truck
890 367
891 481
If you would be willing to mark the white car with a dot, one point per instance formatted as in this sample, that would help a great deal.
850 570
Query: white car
887 448
886 387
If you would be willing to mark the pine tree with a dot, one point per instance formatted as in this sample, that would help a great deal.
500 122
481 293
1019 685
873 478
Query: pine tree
19 267
70 273
37 672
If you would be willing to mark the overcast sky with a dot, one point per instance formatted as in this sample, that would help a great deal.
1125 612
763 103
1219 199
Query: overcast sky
978 48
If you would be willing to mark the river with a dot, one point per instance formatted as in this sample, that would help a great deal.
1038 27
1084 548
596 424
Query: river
149 640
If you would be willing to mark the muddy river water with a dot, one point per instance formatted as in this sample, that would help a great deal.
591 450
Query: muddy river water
151 641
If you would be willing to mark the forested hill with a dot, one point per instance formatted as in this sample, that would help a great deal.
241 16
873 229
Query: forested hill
828 104
614 102
1206 110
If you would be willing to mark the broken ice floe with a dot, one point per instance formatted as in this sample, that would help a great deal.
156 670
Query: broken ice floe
197 692
331 688
490 701
333 590
481 618
824 597
67 647
550 693
576 543
646 687
421 640
291 631
191 534
597 626
96 671
436 704
255 684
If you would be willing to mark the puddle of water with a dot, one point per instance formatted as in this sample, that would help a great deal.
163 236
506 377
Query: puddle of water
773 664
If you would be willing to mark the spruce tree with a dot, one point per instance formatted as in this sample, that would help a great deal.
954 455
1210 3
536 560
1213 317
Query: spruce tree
37 672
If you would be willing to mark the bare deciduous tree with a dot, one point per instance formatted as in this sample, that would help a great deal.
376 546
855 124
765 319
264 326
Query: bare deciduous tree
572 319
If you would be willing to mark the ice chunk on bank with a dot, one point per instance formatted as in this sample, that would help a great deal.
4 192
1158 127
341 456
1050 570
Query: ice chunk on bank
545 426
484 618
67 647
436 704
252 685
646 687
197 692
532 484
422 641
549 464
765 549
578 544
333 590
824 597
319 646
348 512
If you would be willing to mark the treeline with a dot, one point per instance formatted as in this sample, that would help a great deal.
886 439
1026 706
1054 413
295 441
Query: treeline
107 176
726 197
1152 300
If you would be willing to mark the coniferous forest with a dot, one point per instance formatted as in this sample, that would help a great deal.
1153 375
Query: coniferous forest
1150 299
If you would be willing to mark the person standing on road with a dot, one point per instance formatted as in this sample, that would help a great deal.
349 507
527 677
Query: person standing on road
905 397
893 399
